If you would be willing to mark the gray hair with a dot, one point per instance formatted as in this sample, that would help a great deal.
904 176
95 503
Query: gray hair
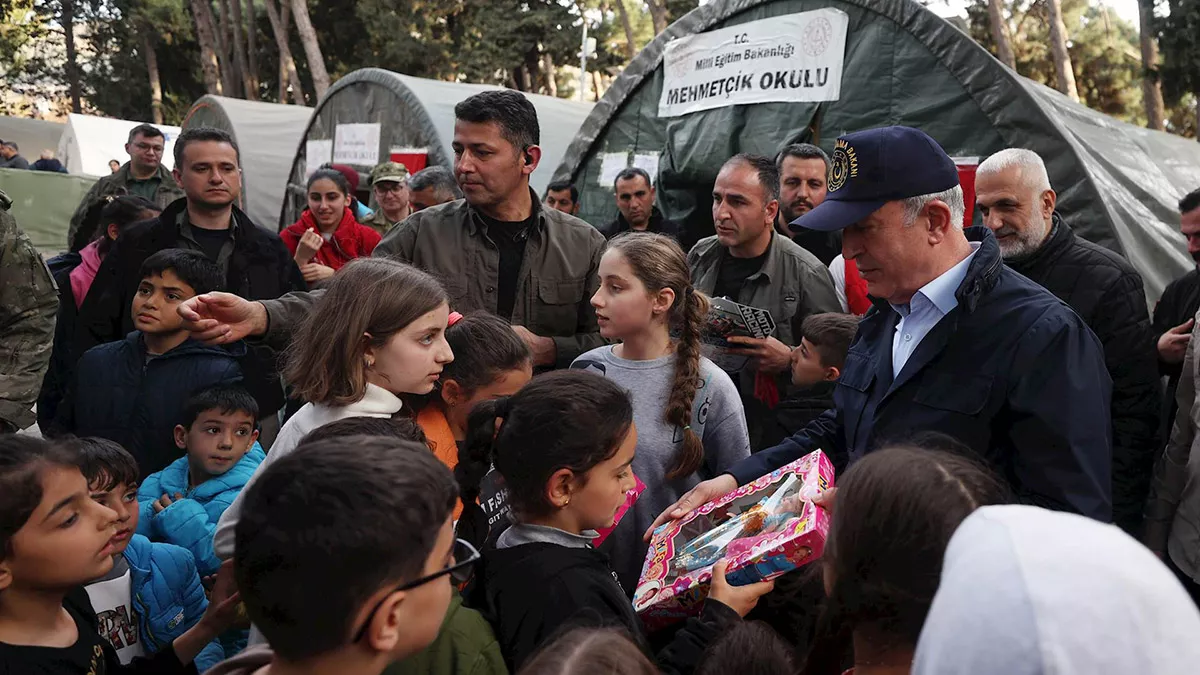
1033 169
439 178
952 198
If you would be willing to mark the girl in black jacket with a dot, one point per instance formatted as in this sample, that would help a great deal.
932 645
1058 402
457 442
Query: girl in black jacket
564 445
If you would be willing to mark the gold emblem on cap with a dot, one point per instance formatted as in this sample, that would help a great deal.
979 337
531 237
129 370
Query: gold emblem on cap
843 166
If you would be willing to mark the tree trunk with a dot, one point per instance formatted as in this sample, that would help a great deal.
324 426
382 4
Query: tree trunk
658 14
550 73
1152 98
1058 49
156 99
312 50
999 28
231 71
68 26
202 15
630 48
596 84
238 39
280 19
252 48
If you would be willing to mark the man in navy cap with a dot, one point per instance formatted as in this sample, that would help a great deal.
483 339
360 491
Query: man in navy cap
956 342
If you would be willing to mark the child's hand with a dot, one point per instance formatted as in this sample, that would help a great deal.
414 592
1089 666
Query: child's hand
826 499
164 501
740 599
314 272
222 609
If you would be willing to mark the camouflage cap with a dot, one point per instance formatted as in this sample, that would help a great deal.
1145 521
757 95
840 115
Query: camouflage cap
389 171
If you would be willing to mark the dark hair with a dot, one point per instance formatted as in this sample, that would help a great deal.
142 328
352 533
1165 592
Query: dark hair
631 172
223 397
439 178
831 333
515 115
338 178
192 267
658 262
748 648
379 296
11 144
560 185
104 463
568 419
590 651
23 461
484 346
145 131
768 173
801 151
399 428
1190 201
355 514
896 511
120 210
202 134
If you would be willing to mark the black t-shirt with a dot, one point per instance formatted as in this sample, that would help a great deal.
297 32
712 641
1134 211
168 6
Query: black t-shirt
87 655
510 238
210 241
732 273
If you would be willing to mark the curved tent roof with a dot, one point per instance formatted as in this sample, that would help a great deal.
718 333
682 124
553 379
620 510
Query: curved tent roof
267 135
1118 185
413 113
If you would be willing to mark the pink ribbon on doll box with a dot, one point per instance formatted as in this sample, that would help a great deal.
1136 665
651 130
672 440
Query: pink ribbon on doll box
631 498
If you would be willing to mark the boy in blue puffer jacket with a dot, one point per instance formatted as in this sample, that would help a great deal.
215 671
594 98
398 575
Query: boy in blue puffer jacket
182 503
153 593
132 391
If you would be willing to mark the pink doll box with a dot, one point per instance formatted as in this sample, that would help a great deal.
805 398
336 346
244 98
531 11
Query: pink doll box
764 528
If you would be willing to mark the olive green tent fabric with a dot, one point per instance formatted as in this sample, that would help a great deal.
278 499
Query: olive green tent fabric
267 135
1118 185
43 204
417 113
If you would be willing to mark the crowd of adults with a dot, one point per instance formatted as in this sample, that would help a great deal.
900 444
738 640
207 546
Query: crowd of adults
1030 348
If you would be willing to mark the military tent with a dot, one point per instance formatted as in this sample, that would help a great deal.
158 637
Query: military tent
372 115
754 75
89 143
267 135
31 136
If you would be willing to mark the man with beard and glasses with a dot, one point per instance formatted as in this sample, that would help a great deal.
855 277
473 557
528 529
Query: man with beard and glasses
1174 313
802 187
1013 193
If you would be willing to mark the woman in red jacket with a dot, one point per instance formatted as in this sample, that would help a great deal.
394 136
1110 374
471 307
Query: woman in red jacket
327 235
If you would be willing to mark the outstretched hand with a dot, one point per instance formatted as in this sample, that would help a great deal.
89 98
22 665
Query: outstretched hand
220 318
701 494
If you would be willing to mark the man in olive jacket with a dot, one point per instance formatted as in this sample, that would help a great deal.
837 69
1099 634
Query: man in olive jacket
143 175
498 249
1014 196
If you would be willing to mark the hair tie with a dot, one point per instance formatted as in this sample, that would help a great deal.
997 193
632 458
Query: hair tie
455 317
687 428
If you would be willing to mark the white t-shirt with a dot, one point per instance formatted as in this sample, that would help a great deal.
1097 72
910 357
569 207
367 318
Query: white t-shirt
112 599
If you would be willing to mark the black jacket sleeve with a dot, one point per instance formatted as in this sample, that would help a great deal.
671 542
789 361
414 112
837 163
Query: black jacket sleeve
824 433
1123 326
683 654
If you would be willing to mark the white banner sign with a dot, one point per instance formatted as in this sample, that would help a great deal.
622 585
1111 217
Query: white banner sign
316 153
356 144
792 58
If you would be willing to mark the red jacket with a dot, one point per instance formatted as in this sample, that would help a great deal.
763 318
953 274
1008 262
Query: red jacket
350 240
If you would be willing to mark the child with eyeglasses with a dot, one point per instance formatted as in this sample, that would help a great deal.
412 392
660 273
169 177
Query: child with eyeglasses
346 556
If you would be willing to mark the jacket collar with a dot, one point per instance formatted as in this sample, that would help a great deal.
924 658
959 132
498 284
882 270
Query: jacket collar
476 222
654 225
125 174
190 347
343 233
982 273
772 267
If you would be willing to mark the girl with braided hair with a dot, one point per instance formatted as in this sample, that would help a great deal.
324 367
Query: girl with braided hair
691 425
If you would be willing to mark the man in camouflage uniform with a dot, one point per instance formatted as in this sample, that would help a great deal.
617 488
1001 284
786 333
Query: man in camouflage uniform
28 303
143 175
389 182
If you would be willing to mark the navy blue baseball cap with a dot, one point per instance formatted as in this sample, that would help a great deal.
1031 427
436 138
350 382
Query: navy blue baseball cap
871 168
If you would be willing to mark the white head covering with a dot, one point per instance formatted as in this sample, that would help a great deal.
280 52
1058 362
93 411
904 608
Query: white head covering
1026 591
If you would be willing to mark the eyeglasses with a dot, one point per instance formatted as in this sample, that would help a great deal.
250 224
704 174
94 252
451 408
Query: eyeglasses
464 554
146 147
389 187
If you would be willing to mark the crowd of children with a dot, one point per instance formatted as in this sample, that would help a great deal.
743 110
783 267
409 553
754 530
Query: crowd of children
432 506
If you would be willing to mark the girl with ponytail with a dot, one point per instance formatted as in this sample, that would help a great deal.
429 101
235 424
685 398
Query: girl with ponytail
564 445
691 425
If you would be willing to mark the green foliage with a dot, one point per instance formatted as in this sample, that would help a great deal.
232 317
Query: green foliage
1179 47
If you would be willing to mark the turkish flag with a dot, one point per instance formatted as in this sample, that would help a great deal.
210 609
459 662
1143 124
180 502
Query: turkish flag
414 159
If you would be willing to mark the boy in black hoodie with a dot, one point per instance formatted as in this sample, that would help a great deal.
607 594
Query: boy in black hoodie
564 445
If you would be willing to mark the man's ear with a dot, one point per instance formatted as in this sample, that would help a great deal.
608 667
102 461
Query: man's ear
940 221
772 211
1049 200
178 176
532 155
181 436
5 575
832 373
385 628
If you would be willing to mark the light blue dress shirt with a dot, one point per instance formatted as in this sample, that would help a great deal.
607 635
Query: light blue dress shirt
935 300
